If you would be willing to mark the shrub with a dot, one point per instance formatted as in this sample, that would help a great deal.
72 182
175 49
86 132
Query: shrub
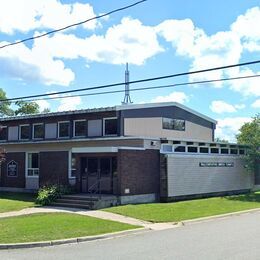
48 194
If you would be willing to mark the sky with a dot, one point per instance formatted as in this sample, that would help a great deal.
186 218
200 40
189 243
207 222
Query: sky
156 38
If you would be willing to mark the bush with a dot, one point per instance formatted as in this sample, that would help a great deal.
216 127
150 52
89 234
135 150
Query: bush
48 194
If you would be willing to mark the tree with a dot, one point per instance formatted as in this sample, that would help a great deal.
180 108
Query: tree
250 135
5 109
26 108
219 140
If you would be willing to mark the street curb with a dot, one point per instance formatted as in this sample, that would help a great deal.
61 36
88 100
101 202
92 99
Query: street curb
204 219
72 240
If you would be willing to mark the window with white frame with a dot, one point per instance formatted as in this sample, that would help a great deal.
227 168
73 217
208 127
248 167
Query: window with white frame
38 131
3 133
24 133
33 165
64 129
110 126
80 129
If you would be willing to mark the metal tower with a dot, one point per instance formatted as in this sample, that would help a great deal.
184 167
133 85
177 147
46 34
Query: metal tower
127 98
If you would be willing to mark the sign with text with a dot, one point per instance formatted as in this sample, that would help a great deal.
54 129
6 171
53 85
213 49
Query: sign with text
12 169
216 164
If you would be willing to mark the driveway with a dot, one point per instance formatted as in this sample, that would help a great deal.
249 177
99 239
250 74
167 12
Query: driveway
236 237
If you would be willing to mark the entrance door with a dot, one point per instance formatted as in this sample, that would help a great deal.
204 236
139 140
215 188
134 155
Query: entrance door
96 175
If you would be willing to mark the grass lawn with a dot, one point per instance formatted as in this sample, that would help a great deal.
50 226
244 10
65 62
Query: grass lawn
11 201
51 226
178 211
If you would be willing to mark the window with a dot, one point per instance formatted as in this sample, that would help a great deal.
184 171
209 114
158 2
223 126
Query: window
241 151
173 124
110 126
3 133
38 131
64 129
204 150
73 167
224 151
192 149
214 150
180 149
24 132
233 151
79 128
33 165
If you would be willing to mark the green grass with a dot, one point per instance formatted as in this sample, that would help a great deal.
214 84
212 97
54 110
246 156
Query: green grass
12 201
178 211
52 226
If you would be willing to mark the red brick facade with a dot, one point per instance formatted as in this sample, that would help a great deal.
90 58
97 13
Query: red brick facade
19 180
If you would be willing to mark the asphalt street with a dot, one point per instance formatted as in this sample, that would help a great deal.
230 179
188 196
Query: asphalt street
236 237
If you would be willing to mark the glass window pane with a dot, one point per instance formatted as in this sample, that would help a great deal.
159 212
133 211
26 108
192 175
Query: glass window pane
80 128
3 133
33 160
173 124
38 131
64 129
111 126
30 172
25 132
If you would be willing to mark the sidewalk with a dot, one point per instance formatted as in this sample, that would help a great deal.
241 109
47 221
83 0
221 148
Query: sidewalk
91 213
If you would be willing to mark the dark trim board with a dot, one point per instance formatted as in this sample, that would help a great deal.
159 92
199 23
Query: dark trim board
204 195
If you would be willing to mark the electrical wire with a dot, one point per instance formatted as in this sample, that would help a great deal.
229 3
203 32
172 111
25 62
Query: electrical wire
72 25
147 88
133 82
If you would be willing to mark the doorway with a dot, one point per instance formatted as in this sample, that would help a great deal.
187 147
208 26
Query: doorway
97 174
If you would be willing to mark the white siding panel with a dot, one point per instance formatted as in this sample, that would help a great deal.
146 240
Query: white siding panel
186 177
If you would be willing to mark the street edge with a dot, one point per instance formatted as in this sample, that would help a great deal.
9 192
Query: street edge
72 240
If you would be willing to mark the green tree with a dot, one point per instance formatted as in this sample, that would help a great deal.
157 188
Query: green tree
5 109
250 135
219 140
26 108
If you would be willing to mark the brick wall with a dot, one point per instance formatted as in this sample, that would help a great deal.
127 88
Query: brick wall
14 182
138 171
53 168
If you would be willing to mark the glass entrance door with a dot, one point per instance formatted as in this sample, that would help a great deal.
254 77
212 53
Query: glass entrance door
97 174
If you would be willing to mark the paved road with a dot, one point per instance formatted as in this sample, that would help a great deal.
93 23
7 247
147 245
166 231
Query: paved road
236 237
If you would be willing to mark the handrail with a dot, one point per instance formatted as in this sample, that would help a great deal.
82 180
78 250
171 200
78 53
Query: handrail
97 185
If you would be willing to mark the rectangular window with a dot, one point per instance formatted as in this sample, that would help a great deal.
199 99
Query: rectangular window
24 132
33 165
110 126
3 133
38 131
64 129
224 151
179 149
173 124
233 151
80 128
204 150
214 150
192 149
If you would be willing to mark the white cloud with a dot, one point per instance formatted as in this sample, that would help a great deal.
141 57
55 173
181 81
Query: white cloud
228 128
256 104
179 97
27 15
220 106
220 49
43 104
70 103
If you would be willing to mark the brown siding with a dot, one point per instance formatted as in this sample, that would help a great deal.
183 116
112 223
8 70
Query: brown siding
53 168
14 182
139 171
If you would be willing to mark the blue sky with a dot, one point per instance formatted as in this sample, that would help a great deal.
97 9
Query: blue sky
156 38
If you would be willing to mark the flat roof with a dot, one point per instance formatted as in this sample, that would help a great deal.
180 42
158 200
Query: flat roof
107 109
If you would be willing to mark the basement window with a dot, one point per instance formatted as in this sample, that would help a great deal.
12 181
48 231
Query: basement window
214 150
224 151
204 150
192 149
179 149
233 151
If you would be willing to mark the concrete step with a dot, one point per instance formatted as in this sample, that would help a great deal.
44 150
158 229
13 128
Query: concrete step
79 197
71 205
74 201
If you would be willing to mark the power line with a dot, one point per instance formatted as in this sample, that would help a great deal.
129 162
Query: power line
72 25
149 88
134 82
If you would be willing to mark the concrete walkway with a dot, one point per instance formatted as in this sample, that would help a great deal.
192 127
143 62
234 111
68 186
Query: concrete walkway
91 213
